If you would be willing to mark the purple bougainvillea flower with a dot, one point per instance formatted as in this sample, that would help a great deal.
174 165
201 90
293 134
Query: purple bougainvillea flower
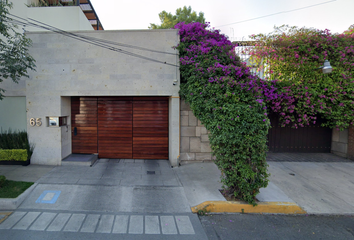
219 127
264 120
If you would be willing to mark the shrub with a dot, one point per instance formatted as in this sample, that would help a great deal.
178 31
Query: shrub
13 155
16 140
224 96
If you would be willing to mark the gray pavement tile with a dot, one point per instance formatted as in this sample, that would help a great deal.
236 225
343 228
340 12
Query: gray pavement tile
12 220
56 180
184 225
59 222
42 221
136 224
90 223
102 182
152 225
105 224
74 223
168 225
120 224
26 221
171 183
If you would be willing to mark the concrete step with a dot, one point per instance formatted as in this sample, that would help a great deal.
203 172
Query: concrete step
80 160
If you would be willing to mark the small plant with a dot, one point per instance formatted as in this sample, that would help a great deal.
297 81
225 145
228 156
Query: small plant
202 212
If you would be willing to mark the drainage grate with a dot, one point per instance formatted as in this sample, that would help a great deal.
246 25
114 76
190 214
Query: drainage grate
150 172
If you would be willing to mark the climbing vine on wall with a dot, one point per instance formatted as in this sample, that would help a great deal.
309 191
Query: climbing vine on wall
292 56
228 100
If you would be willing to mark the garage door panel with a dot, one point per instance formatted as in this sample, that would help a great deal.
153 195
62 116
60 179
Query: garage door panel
115 128
84 121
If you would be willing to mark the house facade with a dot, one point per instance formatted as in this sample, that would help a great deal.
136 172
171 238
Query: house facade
83 98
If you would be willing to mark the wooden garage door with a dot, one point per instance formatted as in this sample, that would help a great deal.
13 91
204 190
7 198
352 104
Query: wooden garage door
84 124
115 127
150 128
121 127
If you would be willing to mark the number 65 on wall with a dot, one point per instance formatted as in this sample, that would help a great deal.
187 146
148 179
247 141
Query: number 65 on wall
36 122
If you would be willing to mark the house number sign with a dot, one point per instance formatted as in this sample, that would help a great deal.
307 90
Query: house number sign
36 122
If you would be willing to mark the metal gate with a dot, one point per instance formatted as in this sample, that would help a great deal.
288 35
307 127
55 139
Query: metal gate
308 139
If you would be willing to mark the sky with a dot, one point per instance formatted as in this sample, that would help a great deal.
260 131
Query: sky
335 15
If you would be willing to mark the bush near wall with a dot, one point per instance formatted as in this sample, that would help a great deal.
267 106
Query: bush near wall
17 140
13 155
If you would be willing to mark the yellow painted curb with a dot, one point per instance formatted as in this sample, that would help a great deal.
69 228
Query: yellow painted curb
241 207
7 214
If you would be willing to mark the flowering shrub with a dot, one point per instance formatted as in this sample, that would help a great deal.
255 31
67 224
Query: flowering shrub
293 56
228 100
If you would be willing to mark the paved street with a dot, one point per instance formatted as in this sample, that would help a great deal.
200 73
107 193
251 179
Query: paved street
273 227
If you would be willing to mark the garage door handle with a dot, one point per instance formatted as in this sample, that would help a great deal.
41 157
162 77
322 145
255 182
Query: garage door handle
75 131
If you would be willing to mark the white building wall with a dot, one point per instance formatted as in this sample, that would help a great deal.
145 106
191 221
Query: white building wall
65 18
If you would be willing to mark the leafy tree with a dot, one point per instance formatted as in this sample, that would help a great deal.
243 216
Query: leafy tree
14 57
168 20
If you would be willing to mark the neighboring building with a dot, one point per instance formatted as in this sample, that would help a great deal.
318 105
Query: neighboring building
69 18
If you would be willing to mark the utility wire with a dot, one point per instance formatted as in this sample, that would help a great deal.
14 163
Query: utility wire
93 41
293 10
107 41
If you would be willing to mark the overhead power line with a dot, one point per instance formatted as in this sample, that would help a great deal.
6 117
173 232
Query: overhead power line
94 41
293 10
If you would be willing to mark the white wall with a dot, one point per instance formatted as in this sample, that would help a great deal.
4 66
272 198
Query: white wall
65 18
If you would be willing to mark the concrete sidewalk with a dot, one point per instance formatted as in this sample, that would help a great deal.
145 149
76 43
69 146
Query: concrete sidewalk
154 187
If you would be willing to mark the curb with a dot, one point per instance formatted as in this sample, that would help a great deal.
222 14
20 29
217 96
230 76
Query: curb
13 203
242 207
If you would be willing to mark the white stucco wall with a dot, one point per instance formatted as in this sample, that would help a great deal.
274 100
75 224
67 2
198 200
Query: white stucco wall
67 67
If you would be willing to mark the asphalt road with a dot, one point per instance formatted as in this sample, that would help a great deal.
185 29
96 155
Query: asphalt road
258 226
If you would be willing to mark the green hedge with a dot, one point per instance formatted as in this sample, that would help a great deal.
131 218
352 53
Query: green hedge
13 155
16 140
